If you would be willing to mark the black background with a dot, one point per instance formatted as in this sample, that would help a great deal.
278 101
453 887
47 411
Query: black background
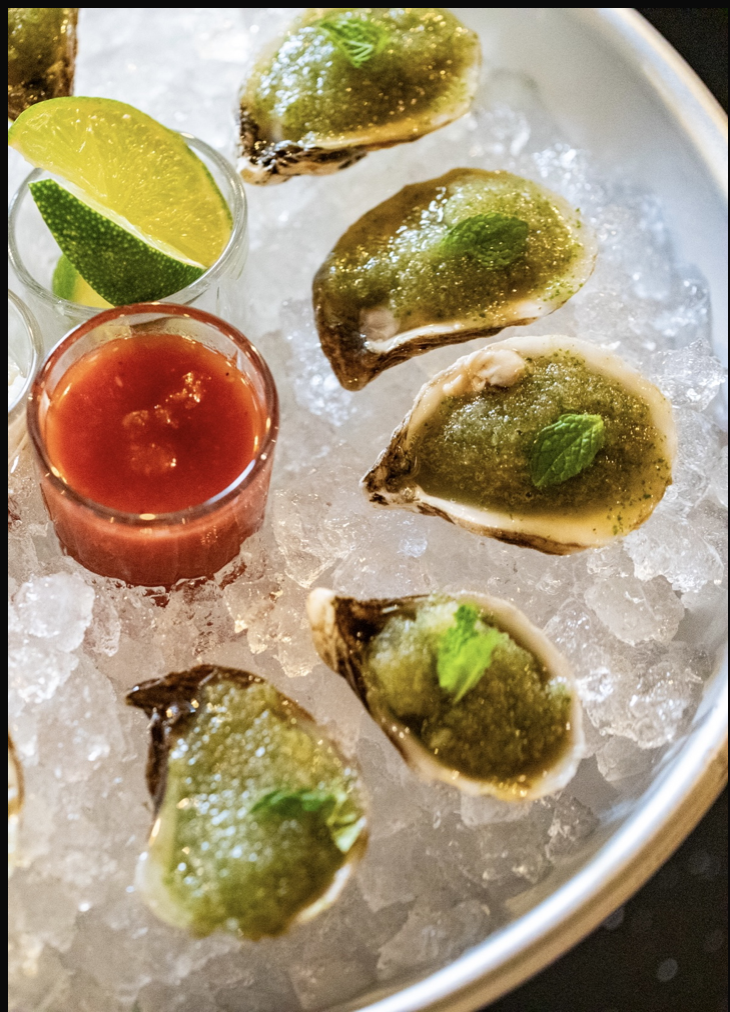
676 926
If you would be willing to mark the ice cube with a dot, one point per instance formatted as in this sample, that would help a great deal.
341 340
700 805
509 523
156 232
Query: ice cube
432 933
619 758
675 550
691 375
636 610
56 609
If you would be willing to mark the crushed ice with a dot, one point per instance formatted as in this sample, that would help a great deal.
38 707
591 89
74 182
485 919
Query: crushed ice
641 621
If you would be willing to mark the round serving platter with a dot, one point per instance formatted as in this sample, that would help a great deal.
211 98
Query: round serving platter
616 89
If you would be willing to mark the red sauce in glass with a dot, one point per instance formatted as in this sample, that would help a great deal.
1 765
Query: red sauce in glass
152 424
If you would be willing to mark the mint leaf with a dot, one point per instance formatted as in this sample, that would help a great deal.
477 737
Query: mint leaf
565 448
342 819
494 239
465 652
292 803
359 40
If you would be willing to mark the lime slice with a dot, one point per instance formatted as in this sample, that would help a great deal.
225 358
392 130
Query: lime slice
118 266
68 284
131 168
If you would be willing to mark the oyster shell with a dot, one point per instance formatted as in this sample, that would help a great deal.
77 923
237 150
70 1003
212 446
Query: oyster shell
41 55
469 450
442 262
258 819
514 733
347 80
15 803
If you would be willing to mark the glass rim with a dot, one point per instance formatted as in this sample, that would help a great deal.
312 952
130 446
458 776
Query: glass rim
190 513
239 231
36 345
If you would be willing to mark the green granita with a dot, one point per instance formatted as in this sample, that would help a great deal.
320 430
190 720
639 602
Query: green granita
259 813
466 247
510 724
479 449
360 69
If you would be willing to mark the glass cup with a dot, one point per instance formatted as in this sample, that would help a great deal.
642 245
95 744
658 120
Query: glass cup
146 549
33 254
24 354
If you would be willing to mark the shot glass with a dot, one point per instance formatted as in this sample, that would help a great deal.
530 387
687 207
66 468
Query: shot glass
33 254
24 355
156 550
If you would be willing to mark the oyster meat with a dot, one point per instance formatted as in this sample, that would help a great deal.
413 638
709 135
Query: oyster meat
464 685
444 261
347 80
41 55
15 803
547 442
258 819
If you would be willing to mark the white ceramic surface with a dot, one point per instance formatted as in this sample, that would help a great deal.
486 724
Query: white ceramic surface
618 88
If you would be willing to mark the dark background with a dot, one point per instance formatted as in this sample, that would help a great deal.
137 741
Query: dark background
666 949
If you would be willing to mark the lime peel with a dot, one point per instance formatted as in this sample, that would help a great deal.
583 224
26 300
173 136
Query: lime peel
68 284
116 264
131 169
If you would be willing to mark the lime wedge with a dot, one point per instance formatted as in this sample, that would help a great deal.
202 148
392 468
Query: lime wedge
68 284
130 168
116 264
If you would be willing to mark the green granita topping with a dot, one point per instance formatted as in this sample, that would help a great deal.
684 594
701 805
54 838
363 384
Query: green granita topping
483 449
464 248
259 813
360 70
511 723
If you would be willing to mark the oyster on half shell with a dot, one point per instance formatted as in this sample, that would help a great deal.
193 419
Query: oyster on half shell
467 689
259 820
547 442
347 80
41 55
442 262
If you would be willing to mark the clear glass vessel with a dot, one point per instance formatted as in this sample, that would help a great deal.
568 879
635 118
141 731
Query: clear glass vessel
147 549
24 355
33 254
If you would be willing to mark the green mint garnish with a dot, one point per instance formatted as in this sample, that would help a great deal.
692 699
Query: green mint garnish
494 239
565 448
292 803
344 826
465 652
359 40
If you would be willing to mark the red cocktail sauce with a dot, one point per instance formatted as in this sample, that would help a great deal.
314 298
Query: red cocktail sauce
152 424
155 451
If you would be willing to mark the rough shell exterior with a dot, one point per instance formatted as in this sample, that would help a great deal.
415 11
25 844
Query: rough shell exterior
168 702
391 484
342 628
265 160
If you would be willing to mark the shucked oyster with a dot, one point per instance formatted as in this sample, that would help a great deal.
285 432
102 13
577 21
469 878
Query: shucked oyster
41 55
445 261
465 686
348 80
259 820
547 442
15 803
